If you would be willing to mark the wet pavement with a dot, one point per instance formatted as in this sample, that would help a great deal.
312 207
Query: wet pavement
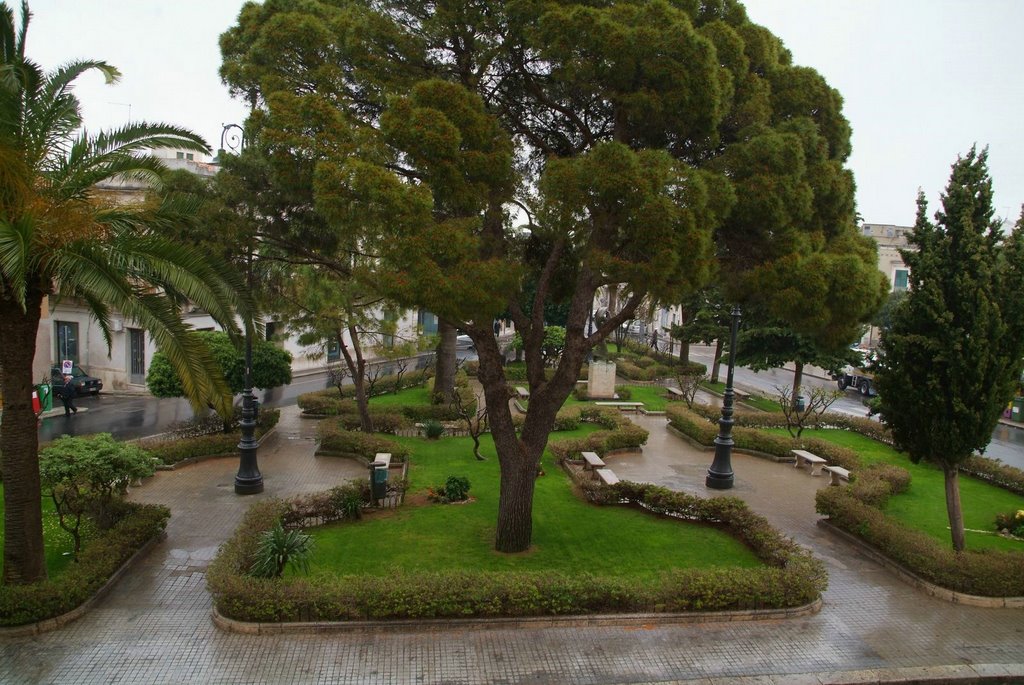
155 625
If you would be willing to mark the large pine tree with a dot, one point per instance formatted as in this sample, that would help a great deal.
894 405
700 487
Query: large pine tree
953 352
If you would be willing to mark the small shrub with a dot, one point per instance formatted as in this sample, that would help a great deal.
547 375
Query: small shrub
624 392
433 429
278 548
1012 522
455 489
334 439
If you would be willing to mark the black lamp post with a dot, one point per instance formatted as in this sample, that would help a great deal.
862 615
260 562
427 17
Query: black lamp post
248 480
720 476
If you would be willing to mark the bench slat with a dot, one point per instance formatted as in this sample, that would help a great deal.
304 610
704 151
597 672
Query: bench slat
607 476
593 460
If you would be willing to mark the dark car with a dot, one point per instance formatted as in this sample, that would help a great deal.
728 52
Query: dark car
83 382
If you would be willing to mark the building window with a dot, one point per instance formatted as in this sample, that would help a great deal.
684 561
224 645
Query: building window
271 330
427 322
189 156
899 279
67 341
180 155
333 351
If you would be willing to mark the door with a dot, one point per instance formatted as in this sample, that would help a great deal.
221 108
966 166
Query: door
67 342
136 356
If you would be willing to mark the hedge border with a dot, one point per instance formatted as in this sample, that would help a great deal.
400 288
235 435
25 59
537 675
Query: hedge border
790 584
73 592
635 620
911 578
856 509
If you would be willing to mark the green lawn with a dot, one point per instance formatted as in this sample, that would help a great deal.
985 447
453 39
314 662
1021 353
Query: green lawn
756 401
417 395
55 540
654 398
568 534
923 506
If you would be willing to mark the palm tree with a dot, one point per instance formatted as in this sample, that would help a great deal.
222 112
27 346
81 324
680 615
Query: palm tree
56 237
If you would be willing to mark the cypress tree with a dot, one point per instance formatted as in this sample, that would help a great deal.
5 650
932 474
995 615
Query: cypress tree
953 353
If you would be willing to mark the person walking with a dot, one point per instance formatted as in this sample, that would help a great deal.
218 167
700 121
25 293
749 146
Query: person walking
67 396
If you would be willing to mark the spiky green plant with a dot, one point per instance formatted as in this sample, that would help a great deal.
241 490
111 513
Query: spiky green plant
279 547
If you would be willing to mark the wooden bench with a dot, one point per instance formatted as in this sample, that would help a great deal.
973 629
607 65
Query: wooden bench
812 460
625 406
523 393
740 394
592 461
607 476
838 473
675 392
383 458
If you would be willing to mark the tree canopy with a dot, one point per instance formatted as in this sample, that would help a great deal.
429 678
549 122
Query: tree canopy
641 145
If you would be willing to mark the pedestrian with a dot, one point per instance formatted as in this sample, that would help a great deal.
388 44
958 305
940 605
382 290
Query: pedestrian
67 396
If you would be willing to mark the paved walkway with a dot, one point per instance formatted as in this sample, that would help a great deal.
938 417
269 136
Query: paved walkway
155 626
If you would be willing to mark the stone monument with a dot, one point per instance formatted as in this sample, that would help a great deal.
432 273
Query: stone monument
601 380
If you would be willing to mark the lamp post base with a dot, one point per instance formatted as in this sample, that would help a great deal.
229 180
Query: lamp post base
719 481
248 486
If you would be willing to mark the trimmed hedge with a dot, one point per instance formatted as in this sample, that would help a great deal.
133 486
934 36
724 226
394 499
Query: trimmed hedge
328 403
336 440
857 510
620 433
700 429
995 472
172 450
793 578
99 559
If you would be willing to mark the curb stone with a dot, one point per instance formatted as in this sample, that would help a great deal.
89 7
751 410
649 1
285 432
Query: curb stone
580 621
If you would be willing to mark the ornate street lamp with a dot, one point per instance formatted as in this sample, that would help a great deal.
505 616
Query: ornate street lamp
720 476
248 480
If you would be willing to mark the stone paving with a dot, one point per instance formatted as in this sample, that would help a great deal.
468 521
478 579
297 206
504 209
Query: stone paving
154 627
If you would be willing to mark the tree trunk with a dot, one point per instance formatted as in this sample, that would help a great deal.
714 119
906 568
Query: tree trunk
684 351
444 378
519 455
357 367
798 381
956 514
24 559
717 361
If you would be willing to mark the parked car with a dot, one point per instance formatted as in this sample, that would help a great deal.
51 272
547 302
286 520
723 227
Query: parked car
83 382
463 342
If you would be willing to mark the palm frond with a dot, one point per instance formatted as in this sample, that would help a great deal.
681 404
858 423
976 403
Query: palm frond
143 136
87 270
16 257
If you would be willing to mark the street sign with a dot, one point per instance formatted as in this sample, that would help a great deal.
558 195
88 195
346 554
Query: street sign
65 367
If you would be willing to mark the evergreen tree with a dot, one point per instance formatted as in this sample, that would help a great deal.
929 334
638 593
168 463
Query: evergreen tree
952 354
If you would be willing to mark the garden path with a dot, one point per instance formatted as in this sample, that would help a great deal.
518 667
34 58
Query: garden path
155 627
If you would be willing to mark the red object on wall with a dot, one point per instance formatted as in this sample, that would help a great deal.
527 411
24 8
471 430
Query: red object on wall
35 402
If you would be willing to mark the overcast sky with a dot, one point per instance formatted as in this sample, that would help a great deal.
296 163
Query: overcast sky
922 80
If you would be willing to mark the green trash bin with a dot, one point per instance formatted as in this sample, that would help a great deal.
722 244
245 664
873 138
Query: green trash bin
45 393
1017 411
378 480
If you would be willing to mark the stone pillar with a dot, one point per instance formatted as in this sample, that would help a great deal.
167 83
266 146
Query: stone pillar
601 380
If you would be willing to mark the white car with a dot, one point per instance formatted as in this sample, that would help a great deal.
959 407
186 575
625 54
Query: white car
463 342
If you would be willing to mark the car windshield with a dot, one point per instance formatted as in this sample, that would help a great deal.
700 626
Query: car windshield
76 371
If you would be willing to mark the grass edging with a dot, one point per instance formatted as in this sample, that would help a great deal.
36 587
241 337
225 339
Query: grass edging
578 621
911 578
